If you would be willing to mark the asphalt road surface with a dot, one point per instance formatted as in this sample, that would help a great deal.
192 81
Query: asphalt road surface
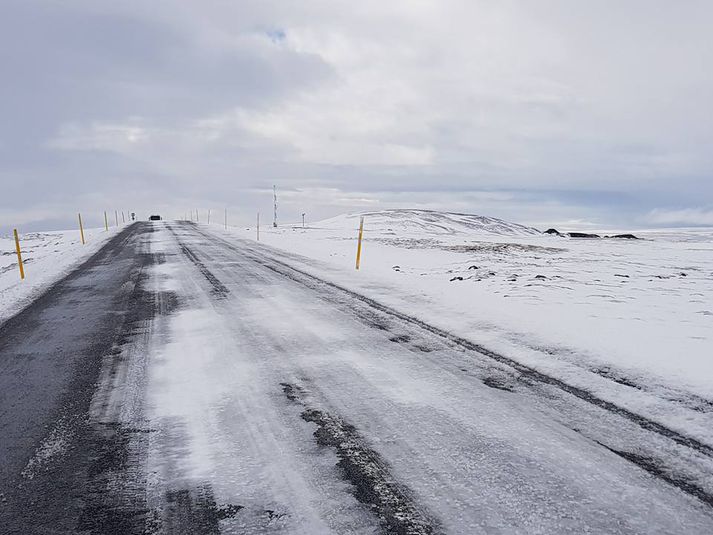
180 383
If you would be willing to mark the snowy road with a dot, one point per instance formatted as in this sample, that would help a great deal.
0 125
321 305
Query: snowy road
212 387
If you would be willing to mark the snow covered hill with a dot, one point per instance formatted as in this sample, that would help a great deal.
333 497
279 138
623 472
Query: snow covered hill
428 222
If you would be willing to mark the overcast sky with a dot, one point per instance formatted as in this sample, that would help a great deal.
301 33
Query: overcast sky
554 113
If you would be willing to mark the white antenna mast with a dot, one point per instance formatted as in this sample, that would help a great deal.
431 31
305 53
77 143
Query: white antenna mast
274 194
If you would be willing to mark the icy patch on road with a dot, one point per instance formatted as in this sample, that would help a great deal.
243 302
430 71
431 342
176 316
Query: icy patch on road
176 393
52 447
220 423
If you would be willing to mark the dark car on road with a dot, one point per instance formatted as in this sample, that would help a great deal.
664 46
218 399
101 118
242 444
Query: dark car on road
155 218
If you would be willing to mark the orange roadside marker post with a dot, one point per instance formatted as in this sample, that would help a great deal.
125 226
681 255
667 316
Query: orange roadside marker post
19 256
361 233
81 229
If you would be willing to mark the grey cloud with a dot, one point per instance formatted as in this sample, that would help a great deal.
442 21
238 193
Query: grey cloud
590 111
61 64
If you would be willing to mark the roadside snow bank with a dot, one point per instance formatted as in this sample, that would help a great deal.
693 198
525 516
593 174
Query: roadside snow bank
47 256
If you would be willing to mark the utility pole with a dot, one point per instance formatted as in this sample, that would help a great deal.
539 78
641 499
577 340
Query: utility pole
274 195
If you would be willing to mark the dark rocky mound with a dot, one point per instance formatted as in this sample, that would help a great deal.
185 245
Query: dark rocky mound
582 235
555 232
624 236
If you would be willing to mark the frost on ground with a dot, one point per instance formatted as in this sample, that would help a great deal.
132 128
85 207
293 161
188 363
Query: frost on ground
53 445
628 319
47 257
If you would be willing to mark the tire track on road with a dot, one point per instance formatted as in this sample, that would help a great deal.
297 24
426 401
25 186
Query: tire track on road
364 468
218 288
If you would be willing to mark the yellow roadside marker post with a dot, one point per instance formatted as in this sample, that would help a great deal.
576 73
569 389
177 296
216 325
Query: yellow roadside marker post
106 223
361 233
81 229
116 216
258 226
226 219
123 219
209 216
19 256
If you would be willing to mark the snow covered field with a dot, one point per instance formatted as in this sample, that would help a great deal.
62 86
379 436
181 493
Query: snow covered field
47 257
625 318
638 312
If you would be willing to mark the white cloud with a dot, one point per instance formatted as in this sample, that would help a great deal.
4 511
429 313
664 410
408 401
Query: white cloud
510 85
686 216
99 136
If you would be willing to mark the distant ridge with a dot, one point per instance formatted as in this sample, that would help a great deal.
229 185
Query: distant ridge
430 222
